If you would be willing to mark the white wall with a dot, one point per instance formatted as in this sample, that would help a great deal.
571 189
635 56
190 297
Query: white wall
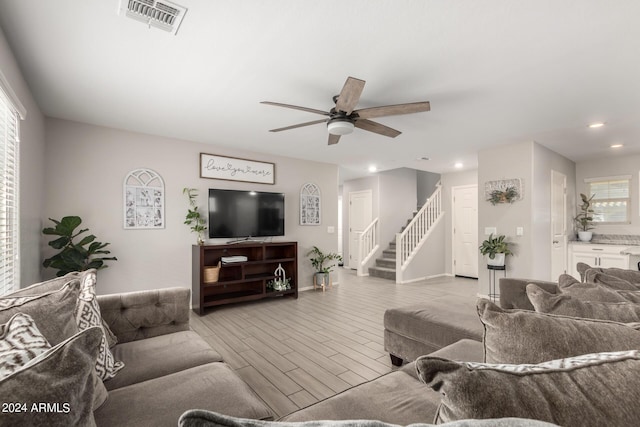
507 162
619 165
85 169
533 163
544 161
32 161
426 185
398 201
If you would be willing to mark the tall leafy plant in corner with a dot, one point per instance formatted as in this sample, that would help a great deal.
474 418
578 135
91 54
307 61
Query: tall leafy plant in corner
194 218
74 255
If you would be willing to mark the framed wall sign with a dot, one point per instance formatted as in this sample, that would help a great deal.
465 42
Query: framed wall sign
310 205
236 169
143 199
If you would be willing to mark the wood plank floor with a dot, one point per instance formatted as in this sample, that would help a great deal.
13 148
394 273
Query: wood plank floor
293 353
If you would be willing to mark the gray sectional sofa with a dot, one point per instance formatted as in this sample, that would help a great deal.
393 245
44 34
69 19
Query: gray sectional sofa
171 374
573 370
71 346
168 368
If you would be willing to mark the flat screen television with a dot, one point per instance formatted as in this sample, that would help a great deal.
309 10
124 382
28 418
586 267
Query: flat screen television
238 214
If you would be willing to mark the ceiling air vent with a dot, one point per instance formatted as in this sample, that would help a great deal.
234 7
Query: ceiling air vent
160 14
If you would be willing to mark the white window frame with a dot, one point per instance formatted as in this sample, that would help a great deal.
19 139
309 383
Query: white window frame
11 111
599 180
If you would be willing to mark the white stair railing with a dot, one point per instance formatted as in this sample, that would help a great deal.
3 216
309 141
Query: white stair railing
415 234
368 244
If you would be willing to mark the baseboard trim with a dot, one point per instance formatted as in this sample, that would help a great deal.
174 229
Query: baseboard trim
419 279
310 288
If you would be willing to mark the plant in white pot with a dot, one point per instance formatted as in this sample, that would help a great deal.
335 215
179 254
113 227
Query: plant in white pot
584 220
497 249
318 260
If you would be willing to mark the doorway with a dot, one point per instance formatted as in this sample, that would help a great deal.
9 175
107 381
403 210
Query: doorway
360 216
465 230
558 224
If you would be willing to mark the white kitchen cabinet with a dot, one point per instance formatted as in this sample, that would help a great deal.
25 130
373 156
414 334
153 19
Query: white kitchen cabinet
603 256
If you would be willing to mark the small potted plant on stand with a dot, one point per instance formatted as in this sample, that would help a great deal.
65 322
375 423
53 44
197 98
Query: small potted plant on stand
497 249
194 218
584 220
318 259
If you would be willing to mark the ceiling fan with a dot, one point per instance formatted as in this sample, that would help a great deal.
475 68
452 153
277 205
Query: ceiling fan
343 118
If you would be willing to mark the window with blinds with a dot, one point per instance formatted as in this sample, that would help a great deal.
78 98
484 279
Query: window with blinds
611 200
9 226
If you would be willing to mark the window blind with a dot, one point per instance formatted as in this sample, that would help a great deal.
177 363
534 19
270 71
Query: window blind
9 190
611 200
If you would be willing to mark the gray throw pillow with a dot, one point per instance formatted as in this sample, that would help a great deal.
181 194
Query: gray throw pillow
56 284
46 286
589 390
87 314
587 291
202 418
56 388
565 305
52 311
524 336
20 342
612 282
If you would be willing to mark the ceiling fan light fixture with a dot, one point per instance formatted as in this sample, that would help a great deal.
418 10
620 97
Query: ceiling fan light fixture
340 127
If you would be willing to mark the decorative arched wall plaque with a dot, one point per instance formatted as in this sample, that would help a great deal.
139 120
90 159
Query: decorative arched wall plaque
143 199
310 204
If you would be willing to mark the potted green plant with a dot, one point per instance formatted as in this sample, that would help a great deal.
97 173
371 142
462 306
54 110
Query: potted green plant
584 219
318 260
194 218
74 255
496 248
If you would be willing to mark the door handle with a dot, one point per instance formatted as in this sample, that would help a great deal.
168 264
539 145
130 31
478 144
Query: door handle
555 242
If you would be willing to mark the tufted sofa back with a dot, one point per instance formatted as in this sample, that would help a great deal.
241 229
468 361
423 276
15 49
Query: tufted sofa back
137 315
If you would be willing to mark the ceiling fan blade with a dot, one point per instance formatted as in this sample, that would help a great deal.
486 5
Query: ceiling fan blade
350 95
394 110
299 125
333 139
295 107
376 128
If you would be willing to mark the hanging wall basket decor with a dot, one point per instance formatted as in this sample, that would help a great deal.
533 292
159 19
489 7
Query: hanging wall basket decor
503 191
143 199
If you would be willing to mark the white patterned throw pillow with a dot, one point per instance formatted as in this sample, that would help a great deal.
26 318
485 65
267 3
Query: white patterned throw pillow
20 342
88 315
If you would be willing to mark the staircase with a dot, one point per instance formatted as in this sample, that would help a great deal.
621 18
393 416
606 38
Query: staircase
400 253
385 267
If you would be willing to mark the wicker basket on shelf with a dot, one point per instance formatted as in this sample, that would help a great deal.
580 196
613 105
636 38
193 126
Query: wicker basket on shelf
211 274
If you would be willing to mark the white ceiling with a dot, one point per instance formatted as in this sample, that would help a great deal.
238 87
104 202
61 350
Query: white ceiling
495 72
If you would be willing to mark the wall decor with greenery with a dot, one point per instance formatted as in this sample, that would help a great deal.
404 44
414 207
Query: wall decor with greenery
503 191
74 255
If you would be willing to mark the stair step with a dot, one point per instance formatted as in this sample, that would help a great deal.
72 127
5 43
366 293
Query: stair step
386 262
383 273
389 253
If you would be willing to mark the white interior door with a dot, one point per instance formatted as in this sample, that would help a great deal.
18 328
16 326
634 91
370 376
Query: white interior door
465 231
360 216
558 224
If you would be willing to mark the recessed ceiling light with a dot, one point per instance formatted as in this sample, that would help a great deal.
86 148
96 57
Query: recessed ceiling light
458 165
596 125
373 168
616 145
